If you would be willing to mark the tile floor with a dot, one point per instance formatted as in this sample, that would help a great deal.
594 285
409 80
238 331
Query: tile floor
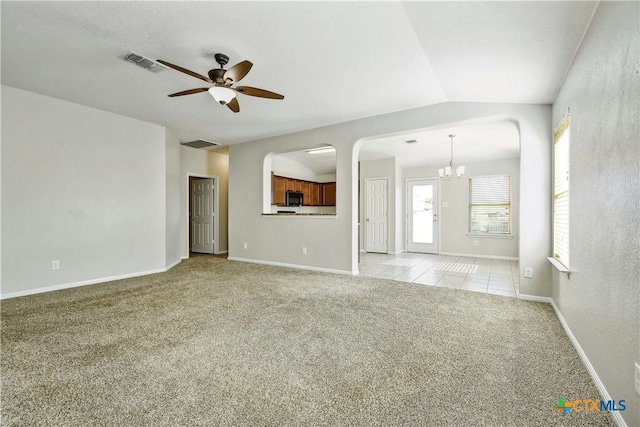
493 276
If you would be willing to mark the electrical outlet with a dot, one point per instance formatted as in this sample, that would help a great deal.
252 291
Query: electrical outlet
245 246
528 272
637 378
304 251
475 243
55 265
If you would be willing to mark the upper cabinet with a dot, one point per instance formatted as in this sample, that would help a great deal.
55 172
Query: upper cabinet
329 194
314 193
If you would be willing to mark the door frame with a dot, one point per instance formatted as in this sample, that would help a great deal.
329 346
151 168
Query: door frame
364 217
216 209
436 210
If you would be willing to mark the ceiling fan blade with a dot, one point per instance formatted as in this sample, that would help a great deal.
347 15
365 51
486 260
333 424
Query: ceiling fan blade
190 91
233 105
237 72
184 70
254 91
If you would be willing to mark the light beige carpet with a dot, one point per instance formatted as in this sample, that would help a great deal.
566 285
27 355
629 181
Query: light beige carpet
214 343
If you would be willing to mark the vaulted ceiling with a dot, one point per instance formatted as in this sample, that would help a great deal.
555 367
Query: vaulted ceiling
333 61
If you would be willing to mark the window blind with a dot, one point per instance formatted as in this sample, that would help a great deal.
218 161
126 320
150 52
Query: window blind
561 193
490 204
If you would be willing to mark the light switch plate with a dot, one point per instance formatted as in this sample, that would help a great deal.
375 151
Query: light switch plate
637 378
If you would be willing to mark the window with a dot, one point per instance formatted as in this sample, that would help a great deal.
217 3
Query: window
490 205
561 193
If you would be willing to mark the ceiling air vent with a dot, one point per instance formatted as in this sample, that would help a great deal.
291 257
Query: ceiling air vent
146 63
200 143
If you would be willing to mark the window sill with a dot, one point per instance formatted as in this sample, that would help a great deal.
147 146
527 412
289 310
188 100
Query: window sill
559 266
490 236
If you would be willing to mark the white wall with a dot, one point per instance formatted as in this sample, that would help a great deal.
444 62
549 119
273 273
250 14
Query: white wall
81 186
291 169
204 163
601 300
454 219
333 242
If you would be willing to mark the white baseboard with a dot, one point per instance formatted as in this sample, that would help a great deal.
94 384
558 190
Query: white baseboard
534 298
617 417
173 264
508 258
84 282
183 257
301 267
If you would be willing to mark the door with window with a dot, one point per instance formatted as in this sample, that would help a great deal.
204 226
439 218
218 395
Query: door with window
422 203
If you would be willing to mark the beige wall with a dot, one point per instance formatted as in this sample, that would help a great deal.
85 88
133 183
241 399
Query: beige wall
204 163
82 186
172 178
454 219
333 242
601 301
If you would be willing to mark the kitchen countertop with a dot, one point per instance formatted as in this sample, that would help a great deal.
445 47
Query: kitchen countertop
298 214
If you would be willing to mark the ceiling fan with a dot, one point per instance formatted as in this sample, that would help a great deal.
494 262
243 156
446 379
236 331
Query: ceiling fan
223 80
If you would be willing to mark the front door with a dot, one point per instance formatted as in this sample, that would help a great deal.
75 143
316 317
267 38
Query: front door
202 215
422 202
376 215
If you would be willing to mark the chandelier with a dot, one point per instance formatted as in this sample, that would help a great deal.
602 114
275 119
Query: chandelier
447 171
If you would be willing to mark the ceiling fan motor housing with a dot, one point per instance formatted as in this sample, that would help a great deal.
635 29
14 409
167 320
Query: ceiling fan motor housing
217 75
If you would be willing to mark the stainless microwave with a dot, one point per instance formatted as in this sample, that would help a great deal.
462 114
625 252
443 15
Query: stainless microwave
294 198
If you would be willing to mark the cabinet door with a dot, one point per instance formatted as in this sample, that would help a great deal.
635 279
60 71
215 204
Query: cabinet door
291 184
316 194
329 194
306 193
280 189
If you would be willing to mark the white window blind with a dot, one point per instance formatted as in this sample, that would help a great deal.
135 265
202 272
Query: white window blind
490 204
561 193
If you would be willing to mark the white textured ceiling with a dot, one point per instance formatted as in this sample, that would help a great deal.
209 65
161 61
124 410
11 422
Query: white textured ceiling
333 61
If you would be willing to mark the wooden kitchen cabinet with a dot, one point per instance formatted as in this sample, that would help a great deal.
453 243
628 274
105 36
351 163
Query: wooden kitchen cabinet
314 193
329 194
306 193
279 190
294 185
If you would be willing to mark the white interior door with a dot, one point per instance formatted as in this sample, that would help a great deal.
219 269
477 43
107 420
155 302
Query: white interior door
376 215
202 215
422 203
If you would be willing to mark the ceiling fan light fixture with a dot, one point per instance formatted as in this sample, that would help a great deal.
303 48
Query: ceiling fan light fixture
222 95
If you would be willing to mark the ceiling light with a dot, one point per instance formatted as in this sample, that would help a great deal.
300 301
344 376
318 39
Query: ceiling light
322 150
223 95
446 172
